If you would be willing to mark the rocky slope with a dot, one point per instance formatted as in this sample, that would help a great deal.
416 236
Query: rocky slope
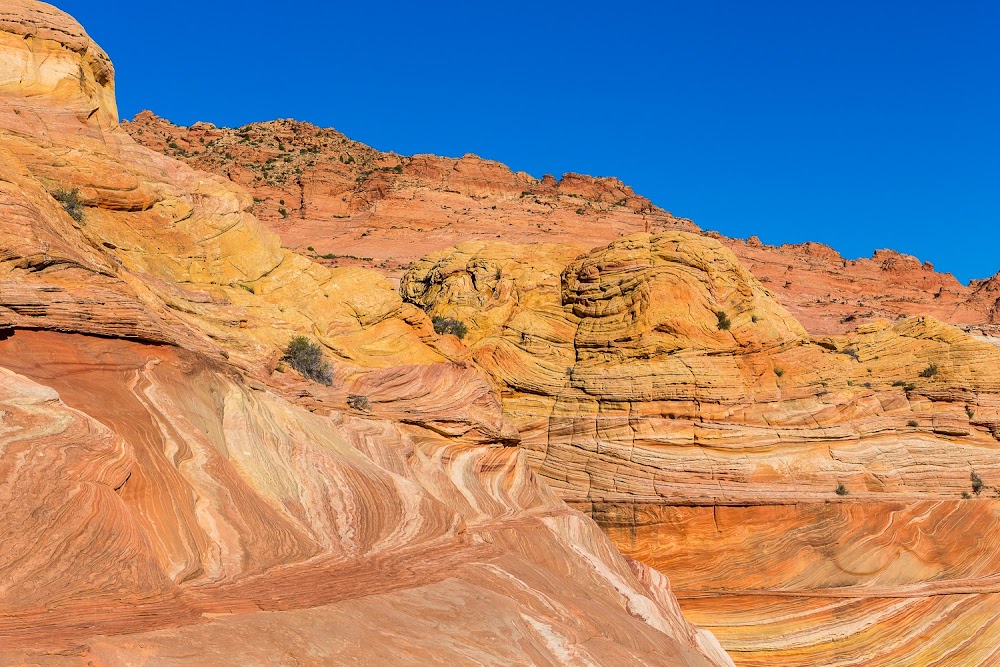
345 203
356 206
829 294
813 500
173 497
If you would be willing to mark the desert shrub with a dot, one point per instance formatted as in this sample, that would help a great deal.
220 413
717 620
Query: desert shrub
977 483
449 325
724 322
359 402
929 372
912 423
306 357
779 371
842 490
70 200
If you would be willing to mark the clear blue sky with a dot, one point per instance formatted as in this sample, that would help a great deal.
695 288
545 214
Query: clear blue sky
858 124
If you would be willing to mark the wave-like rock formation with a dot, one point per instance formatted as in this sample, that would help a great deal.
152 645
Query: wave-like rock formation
158 507
814 501
172 496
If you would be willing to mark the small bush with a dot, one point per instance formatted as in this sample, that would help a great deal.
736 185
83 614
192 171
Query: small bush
359 402
969 411
779 371
283 212
724 322
754 319
842 490
929 372
912 423
306 357
449 325
70 200
977 483
965 495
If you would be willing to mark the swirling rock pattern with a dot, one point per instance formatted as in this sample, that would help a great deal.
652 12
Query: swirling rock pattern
660 387
163 498
171 497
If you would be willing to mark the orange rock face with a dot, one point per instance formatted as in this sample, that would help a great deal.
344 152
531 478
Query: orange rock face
817 475
173 495
354 205
358 206
813 501
829 294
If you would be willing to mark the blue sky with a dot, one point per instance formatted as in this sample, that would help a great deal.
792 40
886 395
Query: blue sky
862 125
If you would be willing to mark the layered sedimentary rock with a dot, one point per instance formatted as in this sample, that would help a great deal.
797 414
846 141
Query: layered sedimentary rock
815 501
348 204
829 294
161 503
173 497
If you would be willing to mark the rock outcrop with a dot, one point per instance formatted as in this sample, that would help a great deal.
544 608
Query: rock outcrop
173 497
814 501
162 503
831 295
345 203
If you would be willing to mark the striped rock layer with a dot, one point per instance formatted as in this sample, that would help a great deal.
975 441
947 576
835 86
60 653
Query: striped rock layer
814 501
173 496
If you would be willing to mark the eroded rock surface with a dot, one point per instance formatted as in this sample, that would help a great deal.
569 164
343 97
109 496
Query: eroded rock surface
830 295
660 387
174 497
182 515
345 203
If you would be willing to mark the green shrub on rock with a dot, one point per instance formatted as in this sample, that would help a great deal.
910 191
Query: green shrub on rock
306 357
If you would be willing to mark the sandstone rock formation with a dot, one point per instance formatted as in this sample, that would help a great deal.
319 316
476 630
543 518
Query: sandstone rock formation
184 516
806 496
829 294
173 497
354 205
